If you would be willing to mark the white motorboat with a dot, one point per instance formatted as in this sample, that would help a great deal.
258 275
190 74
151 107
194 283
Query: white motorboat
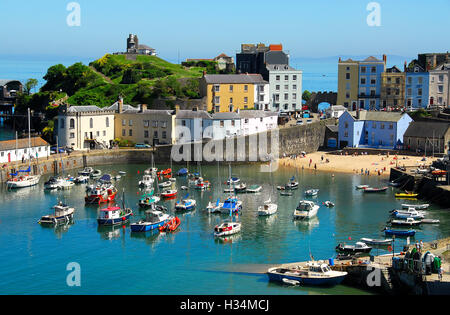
407 222
62 214
306 209
82 179
66 184
416 207
268 208
227 228
359 247
413 214
362 186
329 204
86 171
147 181
53 183
96 174
214 207
312 192
372 241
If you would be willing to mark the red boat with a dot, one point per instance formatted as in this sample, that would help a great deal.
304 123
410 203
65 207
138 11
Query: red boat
165 172
100 194
169 193
171 225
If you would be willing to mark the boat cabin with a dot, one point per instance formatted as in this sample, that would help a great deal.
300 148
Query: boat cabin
110 213
154 216
305 205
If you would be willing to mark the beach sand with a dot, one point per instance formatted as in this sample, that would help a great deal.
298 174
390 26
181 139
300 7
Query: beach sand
377 165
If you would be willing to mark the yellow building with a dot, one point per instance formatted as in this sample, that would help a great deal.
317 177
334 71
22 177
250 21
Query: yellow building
348 76
393 88
229 92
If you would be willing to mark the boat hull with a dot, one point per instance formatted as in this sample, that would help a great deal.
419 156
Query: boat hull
329 281
146 227
115 221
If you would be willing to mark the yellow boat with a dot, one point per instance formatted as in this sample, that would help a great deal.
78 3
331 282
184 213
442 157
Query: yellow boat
406 195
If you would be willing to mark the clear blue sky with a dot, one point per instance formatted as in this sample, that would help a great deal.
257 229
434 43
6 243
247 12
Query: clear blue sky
201 28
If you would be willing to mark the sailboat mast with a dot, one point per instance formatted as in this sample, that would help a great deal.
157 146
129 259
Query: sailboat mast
29 139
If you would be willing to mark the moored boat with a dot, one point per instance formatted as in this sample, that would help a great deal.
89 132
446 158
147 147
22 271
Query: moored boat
171 193
185 204
171 225
113 216
214 207
406 195
231 205
329 204
254 189
86 171
417 207
148 200
407 222
100 193
389 231
147 181
375 190
359 247
379 242
311 192
96 174
153 220
362 186
268 208
306 209
62 214
227 228
81 179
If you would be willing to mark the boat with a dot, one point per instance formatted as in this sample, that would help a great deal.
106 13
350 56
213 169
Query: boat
414 214
100 193
123 173
184 188
22 181
406 195
305 210
170 193
407 222
410 211
62 214
292 184
233 180
379 242
268 208
172 179
81 179
164 172
439 173
359 247
240 188
185 204
312 192
231 205
254 189
86 171
148 200
417 207
165 184
227 228
202 184
362 186
394 184
113 216
171 225
375 190
147 181
117 177
329 204
53 183
182 172
96 174
212 208
388 231
430 221
313 274
285 193
66 184
153 220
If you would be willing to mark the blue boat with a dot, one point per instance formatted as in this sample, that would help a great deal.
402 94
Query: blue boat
153 220
399 232
114 216
313 273
183 172
185 204
231 205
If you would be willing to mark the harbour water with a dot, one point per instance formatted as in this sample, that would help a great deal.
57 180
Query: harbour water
33 259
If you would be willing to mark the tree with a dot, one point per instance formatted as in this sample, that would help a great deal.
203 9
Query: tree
30 84
306 96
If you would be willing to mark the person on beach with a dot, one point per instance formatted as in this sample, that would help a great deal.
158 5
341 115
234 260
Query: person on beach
315 167
440 272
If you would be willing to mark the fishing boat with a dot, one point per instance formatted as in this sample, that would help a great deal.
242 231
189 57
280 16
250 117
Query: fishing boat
170 193
254 189
359 247
100 193
233 181
87 171
311 192
227 228
407 222
152 221
268 208
186 204
362 186
62 214
305 210
147 181
113 216
231 205
389 231
378 242
417 207
329 204
148 200
375 190
171 225
406 195
182 172
96 174
202 184
214 207
313 274
81 179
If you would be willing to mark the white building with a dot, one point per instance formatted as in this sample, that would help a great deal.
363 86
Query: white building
85 127
285 88
255 121
16 150
226 125
262 95
439 86
191 124
335 111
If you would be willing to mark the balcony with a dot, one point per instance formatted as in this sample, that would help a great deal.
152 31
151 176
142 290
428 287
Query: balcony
369 96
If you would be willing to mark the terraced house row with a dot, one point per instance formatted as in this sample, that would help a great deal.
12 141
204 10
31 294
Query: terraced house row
368 84
91 127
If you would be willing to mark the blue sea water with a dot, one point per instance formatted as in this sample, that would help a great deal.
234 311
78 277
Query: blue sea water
33 259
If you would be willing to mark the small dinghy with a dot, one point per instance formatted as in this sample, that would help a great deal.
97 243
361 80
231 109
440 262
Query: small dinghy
254 189
227 228
389 231
290 282
122 173
375 190
165 184
95 174
170 226
406 195
329 204
285 193
379 242
359 247
407 222
63 214
184 188
417 207
171 193
362 186
311 192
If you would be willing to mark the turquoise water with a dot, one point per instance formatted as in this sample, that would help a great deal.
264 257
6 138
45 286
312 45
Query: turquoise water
33 259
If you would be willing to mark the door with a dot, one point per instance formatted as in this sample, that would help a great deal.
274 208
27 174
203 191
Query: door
9 157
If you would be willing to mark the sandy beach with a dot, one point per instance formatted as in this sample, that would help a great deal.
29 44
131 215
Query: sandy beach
372 165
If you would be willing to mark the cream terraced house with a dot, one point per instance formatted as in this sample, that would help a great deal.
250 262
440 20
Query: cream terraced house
142 125
85 127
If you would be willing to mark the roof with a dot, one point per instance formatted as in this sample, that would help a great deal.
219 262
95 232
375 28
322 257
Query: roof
22 143
372 59
115 107
427 129
84 108
280 67
190 114
234 79
145 47
256 113
225 116
333 128
378 116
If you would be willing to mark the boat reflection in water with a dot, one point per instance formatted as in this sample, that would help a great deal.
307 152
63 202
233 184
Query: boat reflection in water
110 233
230 239
307 225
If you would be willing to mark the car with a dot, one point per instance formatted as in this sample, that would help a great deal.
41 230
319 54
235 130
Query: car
69 149
142 146
309 121
299 122
53 150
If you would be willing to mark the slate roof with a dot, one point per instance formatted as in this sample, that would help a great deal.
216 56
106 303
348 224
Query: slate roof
226 116
378 116
84 108
22 143
280 67
190 114
426 129
234 79
256 113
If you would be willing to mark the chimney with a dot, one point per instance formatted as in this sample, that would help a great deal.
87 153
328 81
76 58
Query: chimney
143 108
177 109
434 61
120 107
358 112
195 109
384 59
404 67
340 59
204 73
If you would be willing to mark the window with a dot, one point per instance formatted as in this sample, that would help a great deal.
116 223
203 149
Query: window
91 123
278 78
346 125
409 80
130 132
155 135
222 124
409 91
363 69
154 123
382 126
146 123
347 76
216 99
286 87
286 96
294 77
216 88
246 120
397 81
232 123
420 80
130 123
163 124
231 88
72 123
245 88
277 87
373 81
245 100
373 69
441 78
419 92
164 134
286 106
72 135
440 88
374 125
346 134
98 133
391 126
286 78
231 100
261 98
277 97
294 96
294 87
124 122
107 122
104 133
363 80
124 132
183 122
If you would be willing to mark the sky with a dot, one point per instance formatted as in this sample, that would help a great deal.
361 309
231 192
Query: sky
203 29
